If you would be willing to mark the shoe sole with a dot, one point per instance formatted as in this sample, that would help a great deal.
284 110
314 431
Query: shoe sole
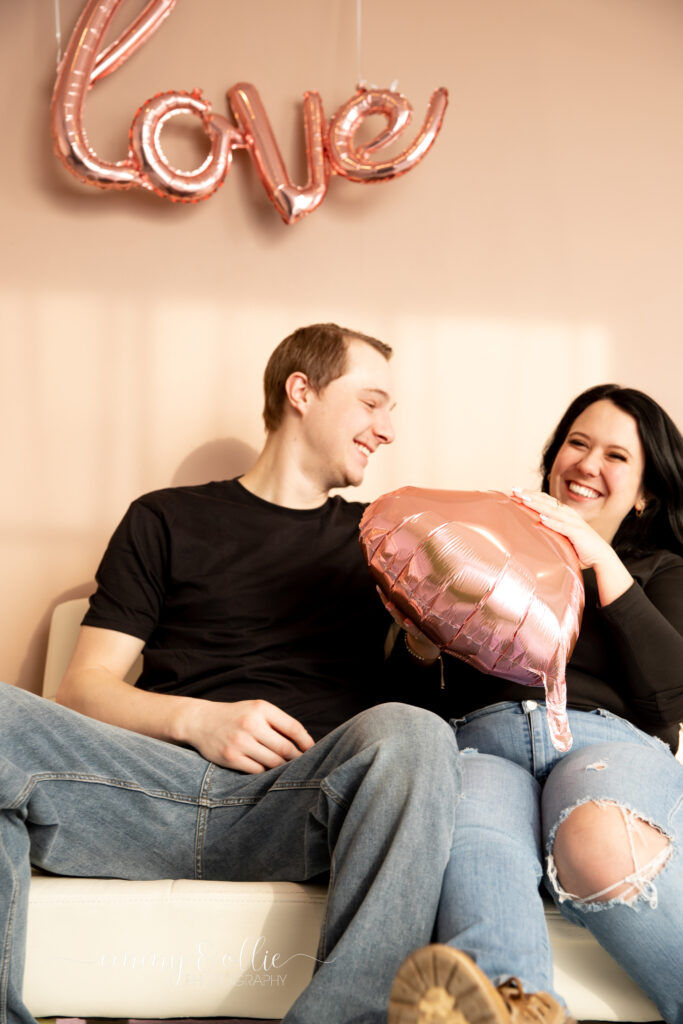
441 985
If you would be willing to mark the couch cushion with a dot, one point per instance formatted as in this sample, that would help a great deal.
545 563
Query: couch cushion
109 948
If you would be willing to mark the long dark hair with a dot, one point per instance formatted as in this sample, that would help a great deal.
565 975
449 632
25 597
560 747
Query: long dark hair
661 523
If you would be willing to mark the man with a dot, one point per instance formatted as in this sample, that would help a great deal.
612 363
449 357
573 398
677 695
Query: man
286 612
262 641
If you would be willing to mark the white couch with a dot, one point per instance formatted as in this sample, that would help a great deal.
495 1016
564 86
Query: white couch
110 948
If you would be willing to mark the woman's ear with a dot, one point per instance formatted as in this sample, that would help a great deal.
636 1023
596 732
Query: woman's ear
642 501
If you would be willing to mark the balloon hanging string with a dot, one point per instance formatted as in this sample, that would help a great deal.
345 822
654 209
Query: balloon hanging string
58 32
360 78
359 42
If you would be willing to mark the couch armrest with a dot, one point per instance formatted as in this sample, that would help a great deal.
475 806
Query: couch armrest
64 626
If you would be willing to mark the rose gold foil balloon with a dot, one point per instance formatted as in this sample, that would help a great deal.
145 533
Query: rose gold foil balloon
290 201
146 164
485 580
137 33
355 162
156 172
86 61
82 65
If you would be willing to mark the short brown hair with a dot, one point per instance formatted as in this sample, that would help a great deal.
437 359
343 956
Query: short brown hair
319 351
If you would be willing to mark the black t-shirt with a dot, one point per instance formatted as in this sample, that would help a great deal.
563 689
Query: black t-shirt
238 599
628 658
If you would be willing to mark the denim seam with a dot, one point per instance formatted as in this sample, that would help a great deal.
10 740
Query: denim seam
241 801
202 820
532 739
235 801
158 794
322 940
304 784
5 964
333 795
162 794
504 705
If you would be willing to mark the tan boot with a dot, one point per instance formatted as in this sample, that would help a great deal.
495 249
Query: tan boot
441 985
534 1008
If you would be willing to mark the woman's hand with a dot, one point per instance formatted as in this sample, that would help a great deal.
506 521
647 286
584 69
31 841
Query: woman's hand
420 646
589 545
593 551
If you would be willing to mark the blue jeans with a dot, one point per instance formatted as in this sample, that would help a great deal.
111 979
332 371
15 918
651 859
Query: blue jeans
517 790
372 803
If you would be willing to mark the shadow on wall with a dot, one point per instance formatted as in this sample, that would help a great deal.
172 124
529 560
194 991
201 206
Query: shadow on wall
216 460
220 459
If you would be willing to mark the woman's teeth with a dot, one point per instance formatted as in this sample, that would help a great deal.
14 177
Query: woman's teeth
583 492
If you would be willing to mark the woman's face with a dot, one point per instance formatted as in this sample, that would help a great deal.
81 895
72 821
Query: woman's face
598 471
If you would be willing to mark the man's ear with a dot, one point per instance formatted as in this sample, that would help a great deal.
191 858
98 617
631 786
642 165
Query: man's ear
298 391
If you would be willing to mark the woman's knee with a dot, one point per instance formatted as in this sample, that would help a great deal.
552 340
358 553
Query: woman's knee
603 850
500 805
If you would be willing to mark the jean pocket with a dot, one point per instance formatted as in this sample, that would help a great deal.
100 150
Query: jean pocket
490 709
629 730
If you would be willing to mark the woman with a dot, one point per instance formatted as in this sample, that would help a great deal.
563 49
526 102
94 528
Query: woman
602 823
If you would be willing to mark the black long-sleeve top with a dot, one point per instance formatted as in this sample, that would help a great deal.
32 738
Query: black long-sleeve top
628 658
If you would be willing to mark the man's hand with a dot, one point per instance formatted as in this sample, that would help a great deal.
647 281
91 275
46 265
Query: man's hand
246 735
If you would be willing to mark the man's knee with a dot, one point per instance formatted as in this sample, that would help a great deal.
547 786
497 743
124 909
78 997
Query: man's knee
413 749
404 724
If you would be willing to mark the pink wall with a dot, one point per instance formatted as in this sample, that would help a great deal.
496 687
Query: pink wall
536 250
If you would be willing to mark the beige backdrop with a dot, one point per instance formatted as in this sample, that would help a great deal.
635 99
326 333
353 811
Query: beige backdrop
536 250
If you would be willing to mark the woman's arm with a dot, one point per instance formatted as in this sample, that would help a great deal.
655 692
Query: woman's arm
646 626
645 622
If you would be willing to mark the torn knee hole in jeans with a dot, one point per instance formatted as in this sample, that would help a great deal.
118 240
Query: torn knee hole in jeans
637 884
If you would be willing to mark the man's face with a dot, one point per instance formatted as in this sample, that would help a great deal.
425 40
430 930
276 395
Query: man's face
350 418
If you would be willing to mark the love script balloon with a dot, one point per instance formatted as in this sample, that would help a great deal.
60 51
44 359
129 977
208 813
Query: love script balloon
329 149
485 580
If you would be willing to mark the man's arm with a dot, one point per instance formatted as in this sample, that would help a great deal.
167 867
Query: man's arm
246 735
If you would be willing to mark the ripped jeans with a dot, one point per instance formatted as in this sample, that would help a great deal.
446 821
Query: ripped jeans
517 792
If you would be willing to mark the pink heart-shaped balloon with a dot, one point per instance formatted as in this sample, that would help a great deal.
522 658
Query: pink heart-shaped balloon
485 580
